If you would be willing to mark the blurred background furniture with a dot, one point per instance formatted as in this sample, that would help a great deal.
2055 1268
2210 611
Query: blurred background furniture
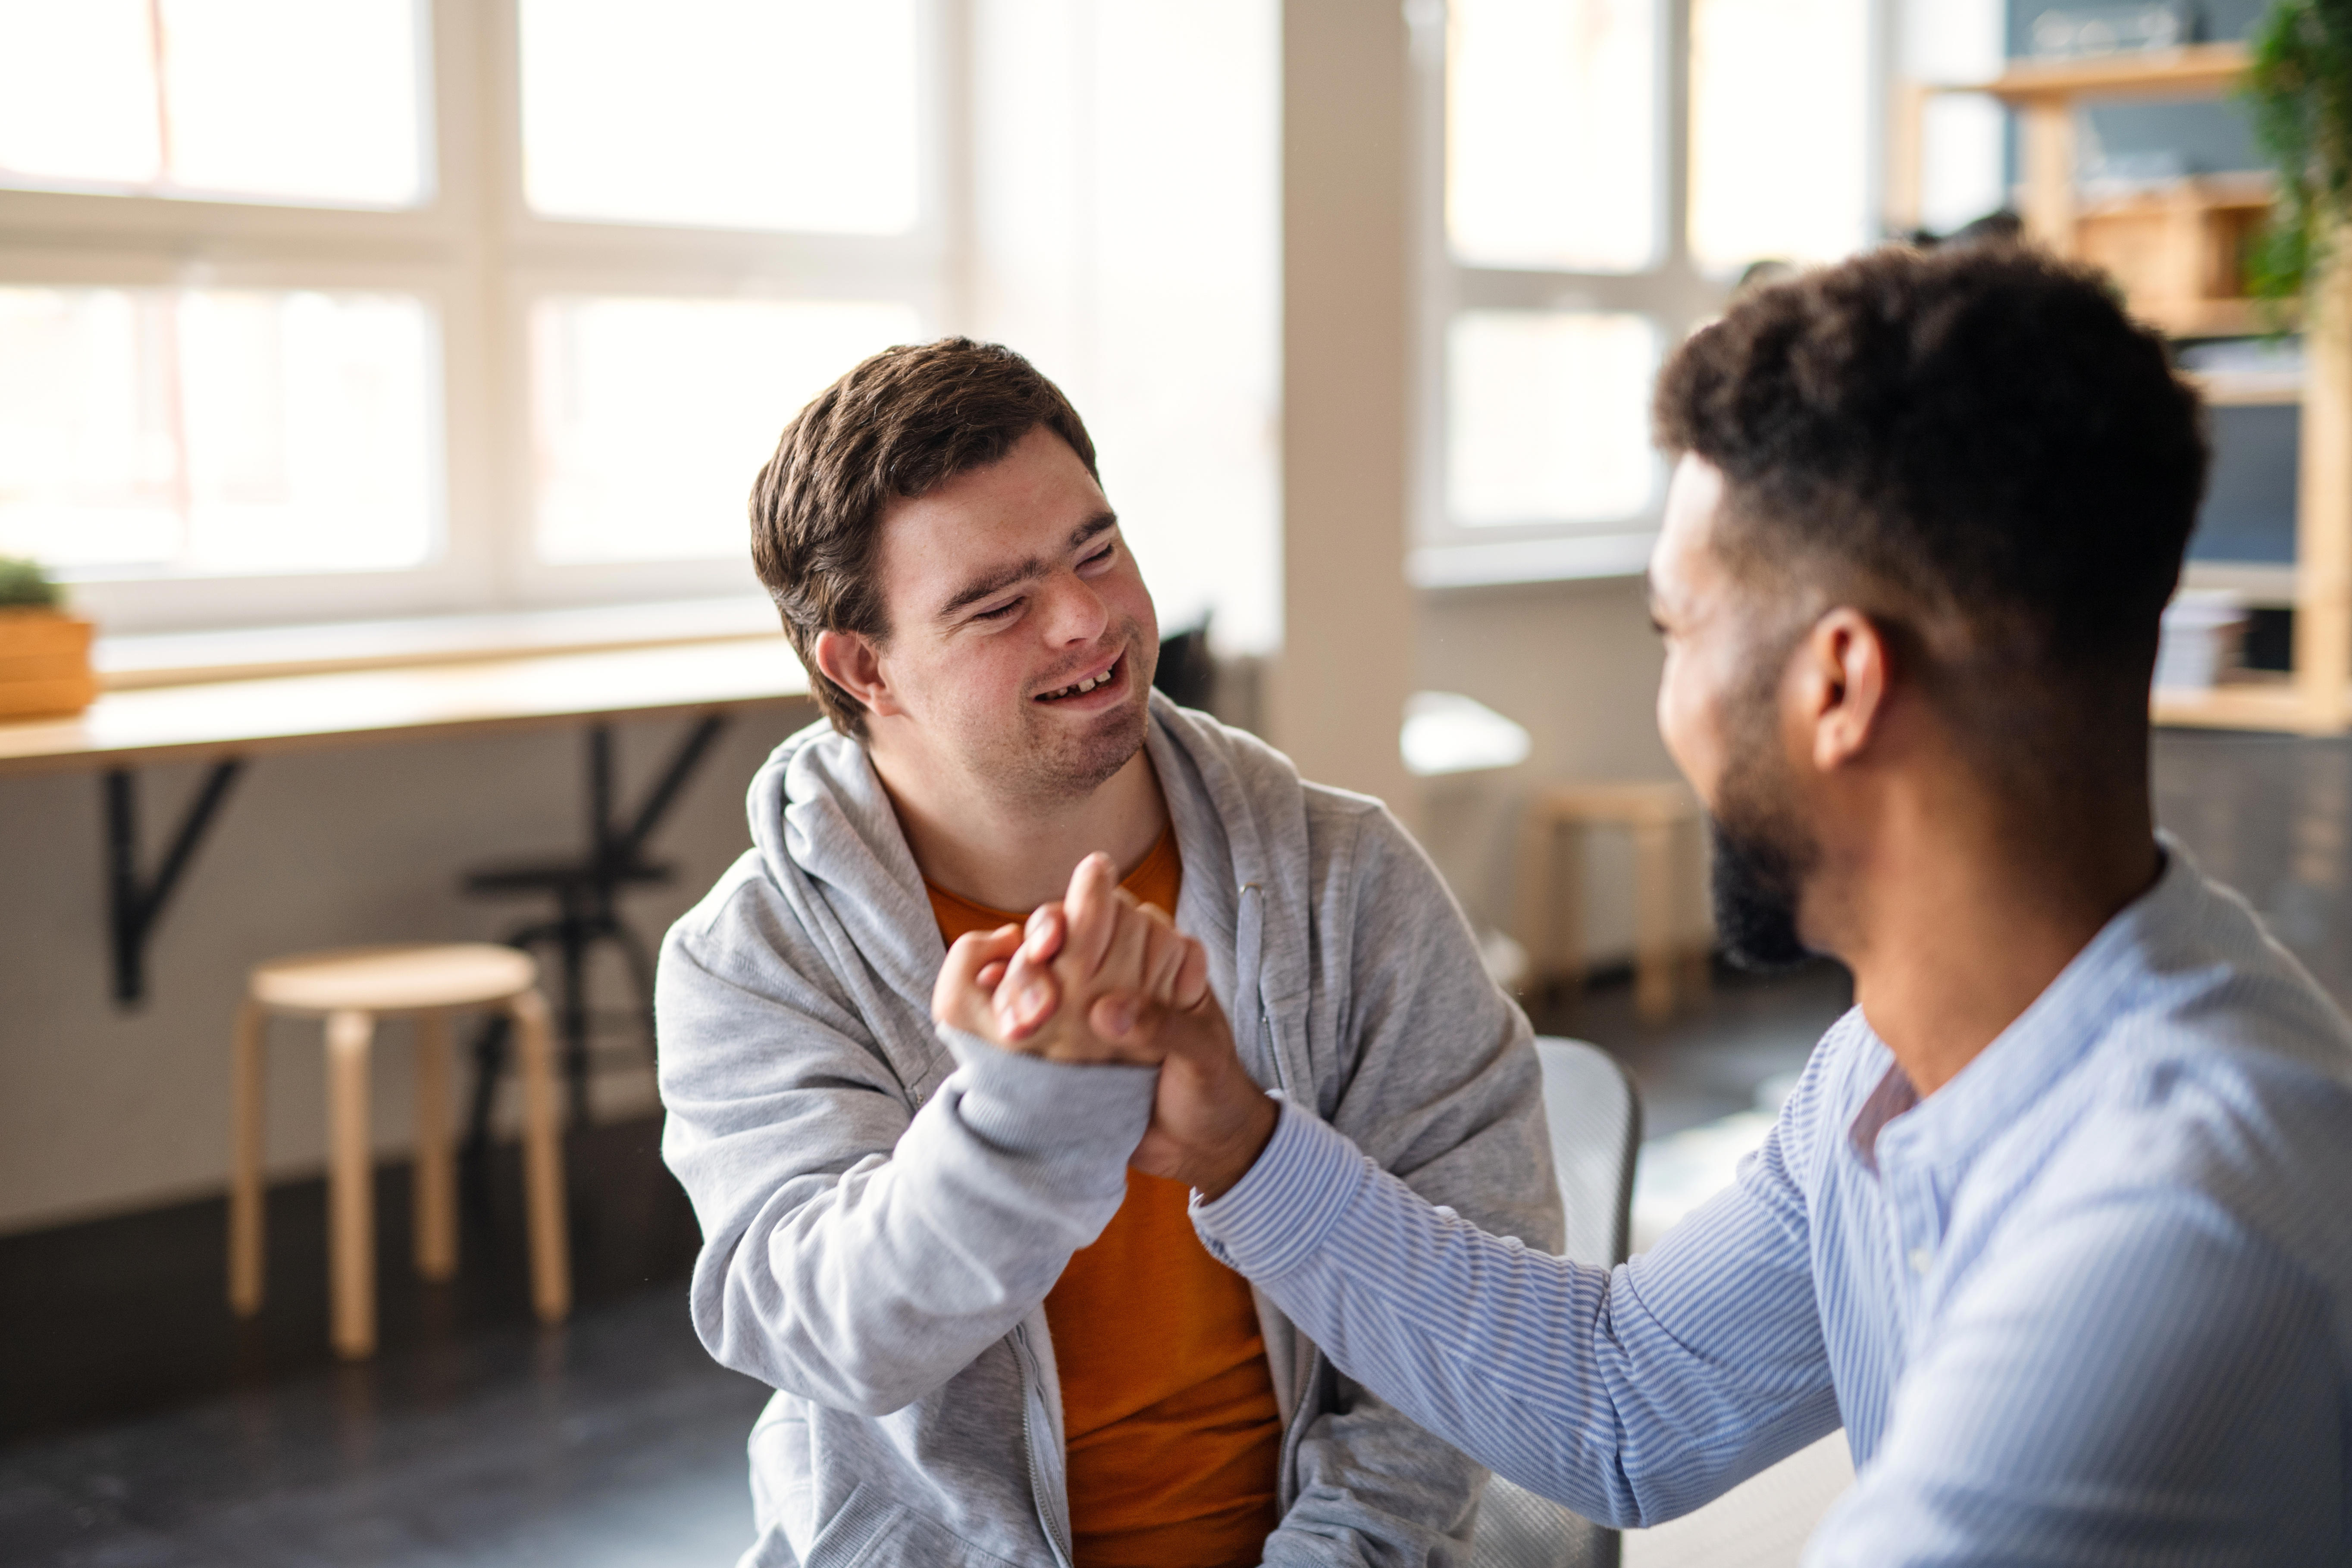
352 988
1595 1114
221 723
1660 816
2177 246
586 888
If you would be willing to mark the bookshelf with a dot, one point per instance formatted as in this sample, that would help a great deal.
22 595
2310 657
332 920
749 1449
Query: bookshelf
2177 250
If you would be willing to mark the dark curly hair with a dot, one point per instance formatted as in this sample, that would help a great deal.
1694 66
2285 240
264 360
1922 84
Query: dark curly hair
1980 432
902 423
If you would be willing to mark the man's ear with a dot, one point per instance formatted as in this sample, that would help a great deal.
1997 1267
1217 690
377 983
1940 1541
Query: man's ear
1842 682
851 661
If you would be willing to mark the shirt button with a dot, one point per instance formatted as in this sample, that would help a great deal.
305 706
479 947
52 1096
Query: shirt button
1920 1258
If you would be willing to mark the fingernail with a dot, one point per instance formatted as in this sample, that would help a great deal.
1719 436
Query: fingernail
1032 1001
1121 1017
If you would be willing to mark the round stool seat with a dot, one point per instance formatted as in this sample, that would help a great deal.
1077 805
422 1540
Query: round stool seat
397 979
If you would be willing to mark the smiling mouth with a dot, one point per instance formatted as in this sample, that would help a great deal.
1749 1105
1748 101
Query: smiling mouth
1080 688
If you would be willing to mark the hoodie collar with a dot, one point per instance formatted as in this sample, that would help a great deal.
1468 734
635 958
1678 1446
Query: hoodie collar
820 814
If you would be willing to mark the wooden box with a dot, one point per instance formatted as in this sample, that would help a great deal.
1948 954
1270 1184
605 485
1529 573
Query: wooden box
44 664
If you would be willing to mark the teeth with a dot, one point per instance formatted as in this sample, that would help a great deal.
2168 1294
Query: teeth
1083 687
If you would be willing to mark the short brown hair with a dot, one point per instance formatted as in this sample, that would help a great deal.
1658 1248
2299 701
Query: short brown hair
901 424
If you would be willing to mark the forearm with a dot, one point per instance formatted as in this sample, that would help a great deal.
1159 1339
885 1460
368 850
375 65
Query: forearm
1553 1374
864 1289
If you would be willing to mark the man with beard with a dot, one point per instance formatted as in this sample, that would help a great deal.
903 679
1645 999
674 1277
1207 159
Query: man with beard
960 1378
2053 1223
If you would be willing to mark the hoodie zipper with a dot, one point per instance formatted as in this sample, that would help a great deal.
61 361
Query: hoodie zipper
1032 1377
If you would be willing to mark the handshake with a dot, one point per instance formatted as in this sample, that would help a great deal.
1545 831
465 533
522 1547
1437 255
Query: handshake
1101 978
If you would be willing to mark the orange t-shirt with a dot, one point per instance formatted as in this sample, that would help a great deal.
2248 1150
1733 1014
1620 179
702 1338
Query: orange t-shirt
1175 1436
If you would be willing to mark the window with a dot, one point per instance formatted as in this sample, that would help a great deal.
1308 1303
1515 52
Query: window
1599 175
394 306
195 98
216 430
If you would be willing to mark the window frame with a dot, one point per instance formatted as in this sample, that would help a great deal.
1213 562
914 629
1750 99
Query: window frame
480 259
1674 294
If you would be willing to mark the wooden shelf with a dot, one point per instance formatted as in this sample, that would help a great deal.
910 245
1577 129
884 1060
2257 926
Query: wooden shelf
2203 318
2267 705
2200 70
2259 584
2249 389
2176 251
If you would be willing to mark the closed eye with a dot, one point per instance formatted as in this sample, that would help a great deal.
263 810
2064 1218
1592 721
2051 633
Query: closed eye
1099 558
999 612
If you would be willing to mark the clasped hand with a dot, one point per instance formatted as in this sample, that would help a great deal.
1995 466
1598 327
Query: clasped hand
1101 978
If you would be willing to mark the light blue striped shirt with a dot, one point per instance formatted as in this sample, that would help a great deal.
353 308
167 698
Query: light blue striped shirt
2092 1302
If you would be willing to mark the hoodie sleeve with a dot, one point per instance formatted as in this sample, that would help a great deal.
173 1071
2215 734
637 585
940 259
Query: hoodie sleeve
1432 1073
859 1251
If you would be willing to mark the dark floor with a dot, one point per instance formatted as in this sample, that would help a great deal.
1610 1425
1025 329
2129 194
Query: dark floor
140 1424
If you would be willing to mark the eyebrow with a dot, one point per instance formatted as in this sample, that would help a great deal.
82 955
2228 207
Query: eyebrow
996 581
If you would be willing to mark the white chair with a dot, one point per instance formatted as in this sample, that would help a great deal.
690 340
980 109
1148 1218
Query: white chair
1596 1130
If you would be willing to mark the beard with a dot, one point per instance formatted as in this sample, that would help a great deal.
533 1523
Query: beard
1763 854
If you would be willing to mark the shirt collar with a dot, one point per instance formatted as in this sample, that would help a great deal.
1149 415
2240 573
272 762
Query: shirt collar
2046 1040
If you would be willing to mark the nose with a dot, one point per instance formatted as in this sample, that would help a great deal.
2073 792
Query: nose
1074 613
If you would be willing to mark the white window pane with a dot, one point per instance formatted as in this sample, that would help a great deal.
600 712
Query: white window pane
765 114
210 432
1962 137
295 99
292 100
1779 130
1547 416
78 91
652 417
1552 146
1963 160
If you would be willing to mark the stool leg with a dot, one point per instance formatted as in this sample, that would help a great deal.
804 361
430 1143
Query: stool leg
350 1195
1690 869
1654 907
245 1240
436 1185
1568 906
542 1161
1538 839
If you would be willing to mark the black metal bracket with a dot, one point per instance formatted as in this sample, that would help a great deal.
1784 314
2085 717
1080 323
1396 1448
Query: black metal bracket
621 847
135 907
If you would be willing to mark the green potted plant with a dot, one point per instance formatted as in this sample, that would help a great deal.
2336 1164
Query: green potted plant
44 652
2298 91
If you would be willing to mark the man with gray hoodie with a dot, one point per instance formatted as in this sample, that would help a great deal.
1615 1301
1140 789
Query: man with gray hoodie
961 1378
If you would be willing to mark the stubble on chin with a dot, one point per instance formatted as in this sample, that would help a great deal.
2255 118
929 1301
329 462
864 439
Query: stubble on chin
1056 768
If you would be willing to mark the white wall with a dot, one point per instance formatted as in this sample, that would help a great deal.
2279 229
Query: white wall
102 1111
1576 663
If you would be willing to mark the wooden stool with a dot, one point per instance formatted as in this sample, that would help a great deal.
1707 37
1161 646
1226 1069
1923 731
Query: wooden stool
1658 814
352 988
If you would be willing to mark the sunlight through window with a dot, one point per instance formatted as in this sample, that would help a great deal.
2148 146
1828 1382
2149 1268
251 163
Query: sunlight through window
650 417
273 100
1551 134
203 432
759 114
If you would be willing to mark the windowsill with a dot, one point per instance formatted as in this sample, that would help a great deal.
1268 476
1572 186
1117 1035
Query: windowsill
1562 558
181 658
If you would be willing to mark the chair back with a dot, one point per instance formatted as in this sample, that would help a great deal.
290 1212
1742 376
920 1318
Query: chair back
1595 1115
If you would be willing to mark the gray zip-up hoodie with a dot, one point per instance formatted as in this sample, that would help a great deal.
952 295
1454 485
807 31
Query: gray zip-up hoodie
874 1248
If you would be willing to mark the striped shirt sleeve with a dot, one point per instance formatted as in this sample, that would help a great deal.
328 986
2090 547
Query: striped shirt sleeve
1631 1395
